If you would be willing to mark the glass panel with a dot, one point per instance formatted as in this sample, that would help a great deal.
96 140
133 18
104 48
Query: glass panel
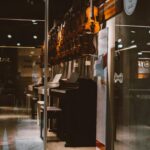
18 124
19 68
132 77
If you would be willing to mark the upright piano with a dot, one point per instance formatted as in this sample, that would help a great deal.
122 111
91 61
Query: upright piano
78 103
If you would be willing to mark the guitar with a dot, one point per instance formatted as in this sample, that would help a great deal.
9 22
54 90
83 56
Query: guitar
92 25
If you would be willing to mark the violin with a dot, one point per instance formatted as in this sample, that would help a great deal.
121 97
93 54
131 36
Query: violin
92 25
60 40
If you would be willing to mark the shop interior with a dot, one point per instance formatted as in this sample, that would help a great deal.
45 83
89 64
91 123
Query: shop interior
72 89
84 84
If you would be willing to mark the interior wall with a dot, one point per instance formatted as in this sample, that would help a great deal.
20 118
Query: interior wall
102 89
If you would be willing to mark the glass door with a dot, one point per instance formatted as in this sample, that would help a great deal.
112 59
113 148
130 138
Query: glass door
132 77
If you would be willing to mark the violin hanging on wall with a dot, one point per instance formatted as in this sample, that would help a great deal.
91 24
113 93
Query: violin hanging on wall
92 24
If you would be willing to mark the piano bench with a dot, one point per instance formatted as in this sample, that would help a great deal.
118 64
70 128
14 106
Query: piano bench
52 113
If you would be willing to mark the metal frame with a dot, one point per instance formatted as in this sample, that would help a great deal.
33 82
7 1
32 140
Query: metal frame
21 19
110 102
45 71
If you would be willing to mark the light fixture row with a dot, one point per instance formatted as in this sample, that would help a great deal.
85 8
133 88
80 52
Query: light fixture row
19 44
10 36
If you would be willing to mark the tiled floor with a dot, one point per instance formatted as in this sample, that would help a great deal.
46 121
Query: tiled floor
19 132
60 146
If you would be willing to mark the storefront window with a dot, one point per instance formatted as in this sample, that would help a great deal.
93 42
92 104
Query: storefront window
132 77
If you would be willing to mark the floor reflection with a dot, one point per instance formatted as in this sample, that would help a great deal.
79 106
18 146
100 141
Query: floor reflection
133 137
19 132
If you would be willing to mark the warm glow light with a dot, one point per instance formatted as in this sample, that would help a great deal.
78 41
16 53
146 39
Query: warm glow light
32 52
141 76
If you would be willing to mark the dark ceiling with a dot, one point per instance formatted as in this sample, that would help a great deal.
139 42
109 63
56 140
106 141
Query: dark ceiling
22 31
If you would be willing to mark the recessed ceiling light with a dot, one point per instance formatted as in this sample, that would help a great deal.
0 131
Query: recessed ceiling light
33 21
9 36
133 41
133 31
148 43
139 53
35 37
18 44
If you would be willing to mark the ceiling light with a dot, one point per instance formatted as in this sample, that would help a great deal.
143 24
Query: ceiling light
133 41
35 37
119 40
18 44
127 48
33 21
133 31
139 53
148 43
149 31
9 36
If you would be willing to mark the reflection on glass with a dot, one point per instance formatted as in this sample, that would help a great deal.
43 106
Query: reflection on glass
18 130
132 96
